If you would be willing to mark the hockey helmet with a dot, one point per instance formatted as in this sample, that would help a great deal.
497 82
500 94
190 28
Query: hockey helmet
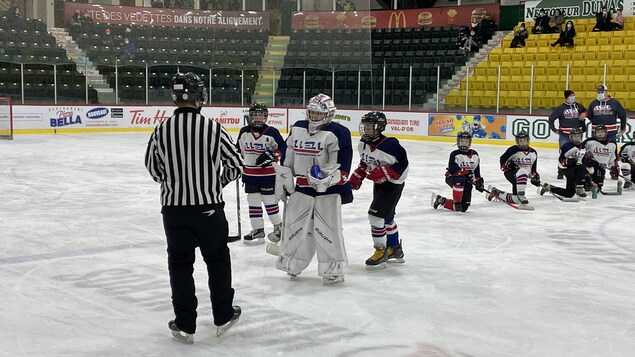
189 87
371 126
258 114
600 132
464 140
522 140
575 136
319 112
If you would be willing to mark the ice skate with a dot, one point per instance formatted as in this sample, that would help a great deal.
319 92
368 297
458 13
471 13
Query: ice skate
255 237
274 236
220 330
395 254
437 200
544 188
627 185
180 335
292 276
378 259
523 200
580 190
494 193
333 279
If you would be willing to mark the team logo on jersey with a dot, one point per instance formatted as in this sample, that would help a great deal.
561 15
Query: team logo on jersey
603 109
255 147
601 151
571 114
369 159
308 147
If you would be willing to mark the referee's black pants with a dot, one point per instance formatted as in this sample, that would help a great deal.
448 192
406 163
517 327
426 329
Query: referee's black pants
187 227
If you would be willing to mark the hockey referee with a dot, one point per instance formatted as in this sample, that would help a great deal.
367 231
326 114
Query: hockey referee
193 158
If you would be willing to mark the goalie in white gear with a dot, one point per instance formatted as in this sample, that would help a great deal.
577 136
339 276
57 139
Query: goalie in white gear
261 146
319 154
384 161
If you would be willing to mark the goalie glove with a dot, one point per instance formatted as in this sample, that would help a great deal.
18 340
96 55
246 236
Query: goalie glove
266 158
382 174
331 177
479 184
357 177
535 179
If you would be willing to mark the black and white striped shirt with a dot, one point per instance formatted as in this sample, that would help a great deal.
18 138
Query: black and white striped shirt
192 158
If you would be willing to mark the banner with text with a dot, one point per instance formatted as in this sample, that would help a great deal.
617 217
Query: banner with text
169 17
538 128
491 126
438 16
572 9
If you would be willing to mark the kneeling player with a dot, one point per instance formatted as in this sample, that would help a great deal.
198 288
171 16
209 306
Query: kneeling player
319 153
384 161
260 146
627 164
600 155
518 163
463 172
570 164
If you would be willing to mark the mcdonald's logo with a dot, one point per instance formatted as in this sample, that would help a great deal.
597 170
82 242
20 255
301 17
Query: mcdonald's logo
400 18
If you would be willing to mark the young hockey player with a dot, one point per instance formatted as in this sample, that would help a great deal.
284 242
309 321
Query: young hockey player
570 115
627 164
463 172
570 163
319 154
385 162
518 164
260 145
600 154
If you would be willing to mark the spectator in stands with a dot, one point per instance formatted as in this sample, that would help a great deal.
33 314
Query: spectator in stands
128 49
212 5
566 36
87 21
233 5
618 21
470 42
519 37
542 23
556 21
76 20
486 28
348 5
107 40
130 35
603 21
157 3
16 20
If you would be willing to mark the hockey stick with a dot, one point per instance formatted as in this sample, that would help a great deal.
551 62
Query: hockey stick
240 233
625 179
575 198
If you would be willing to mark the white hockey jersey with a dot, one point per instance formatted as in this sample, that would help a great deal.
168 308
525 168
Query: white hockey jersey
603 152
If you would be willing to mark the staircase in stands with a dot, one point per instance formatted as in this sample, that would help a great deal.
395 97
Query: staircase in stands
105 94
455 81
270 70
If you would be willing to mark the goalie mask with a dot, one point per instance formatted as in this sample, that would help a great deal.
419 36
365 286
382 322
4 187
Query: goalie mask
189 87
575 136
464 140
319 112
371 126
258 114
600 132
522 140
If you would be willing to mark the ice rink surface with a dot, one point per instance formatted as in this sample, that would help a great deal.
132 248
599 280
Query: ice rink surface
84 269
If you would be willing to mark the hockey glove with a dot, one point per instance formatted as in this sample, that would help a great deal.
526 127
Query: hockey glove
266 158
479 184
357 177
572 161
332 176
588 159
382 174
535 179
624 157
511 166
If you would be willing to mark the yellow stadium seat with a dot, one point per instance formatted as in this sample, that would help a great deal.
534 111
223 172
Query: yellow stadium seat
603 41
577 55
554 54
589 41
629 40
616 40
506 57
629 25
617 52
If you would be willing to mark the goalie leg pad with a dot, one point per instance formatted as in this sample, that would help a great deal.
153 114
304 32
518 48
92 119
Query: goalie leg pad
298 247
329 237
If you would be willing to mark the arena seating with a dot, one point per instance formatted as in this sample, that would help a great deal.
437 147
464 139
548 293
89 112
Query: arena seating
586 60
